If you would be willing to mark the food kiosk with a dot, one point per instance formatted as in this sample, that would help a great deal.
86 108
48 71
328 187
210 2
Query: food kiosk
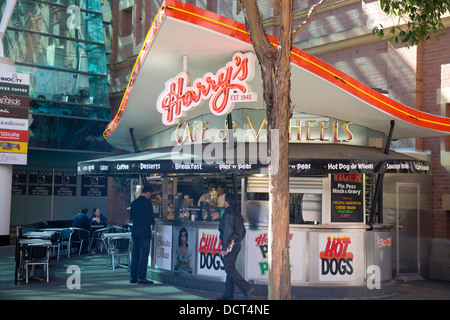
192 113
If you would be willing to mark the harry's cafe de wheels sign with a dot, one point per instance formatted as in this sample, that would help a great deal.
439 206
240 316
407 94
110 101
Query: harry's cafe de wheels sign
227 86
223 89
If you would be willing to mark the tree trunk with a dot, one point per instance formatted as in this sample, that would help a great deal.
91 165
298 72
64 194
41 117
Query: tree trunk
275 67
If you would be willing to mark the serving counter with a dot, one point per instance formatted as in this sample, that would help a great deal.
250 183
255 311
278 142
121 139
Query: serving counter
324 257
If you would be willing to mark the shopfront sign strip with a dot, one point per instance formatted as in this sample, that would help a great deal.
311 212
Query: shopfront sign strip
314 167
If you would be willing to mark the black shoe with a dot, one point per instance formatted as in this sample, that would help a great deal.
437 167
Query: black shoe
144 281
133 281
249 292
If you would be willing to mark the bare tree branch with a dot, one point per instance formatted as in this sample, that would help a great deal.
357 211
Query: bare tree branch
311 13
255 26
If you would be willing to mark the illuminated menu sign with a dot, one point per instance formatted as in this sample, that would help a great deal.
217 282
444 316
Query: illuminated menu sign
347 197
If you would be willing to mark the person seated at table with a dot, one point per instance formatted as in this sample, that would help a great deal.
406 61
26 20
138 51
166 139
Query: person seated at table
98 219
81 220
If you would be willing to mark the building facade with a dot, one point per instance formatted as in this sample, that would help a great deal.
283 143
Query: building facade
80 55
341 35
64 46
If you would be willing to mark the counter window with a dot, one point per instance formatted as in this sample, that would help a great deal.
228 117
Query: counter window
193 198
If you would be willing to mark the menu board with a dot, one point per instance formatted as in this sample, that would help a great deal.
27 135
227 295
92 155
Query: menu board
347 197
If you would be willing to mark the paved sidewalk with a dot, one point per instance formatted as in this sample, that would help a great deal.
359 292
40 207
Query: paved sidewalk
100 283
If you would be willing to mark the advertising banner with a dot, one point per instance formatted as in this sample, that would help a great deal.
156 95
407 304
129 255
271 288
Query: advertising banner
163 238
209 259
257 267
14 103
183 249
339 256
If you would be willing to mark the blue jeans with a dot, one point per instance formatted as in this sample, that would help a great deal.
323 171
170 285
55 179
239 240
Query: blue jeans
139 259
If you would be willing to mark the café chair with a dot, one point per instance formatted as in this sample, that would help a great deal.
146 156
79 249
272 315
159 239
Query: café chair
119 247
97 235
65 240
56 244
78 237
38 255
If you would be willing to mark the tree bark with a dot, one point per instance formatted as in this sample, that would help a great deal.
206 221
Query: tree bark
276 74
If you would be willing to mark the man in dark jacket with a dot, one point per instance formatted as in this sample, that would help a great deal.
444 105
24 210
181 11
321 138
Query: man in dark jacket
231 239
141 213
81 220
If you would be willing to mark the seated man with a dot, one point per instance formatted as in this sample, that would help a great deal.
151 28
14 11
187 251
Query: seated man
81 221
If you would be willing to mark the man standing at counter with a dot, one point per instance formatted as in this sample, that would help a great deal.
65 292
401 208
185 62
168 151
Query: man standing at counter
141 213
232 232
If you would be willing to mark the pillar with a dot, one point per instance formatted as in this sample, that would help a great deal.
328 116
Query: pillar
6 64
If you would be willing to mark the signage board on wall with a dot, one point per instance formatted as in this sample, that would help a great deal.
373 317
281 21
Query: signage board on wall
14 103
94 186
347 197
43 183
19 183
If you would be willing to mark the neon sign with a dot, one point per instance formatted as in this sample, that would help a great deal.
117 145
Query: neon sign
227 86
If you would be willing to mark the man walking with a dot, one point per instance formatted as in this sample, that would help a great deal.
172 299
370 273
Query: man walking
232 232
141 213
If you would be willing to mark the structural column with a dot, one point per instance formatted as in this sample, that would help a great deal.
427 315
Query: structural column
6 64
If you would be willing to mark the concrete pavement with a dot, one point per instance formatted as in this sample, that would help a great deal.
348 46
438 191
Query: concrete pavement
97 282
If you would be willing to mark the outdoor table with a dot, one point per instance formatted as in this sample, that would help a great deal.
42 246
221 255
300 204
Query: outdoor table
112 236
39 234
52 229
30 242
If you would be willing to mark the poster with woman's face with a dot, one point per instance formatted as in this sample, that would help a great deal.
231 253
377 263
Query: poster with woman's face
183 250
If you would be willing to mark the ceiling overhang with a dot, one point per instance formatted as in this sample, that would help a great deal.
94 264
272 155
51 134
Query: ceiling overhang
209 42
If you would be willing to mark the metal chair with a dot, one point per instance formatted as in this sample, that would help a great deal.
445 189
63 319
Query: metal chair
56 244
78 237
97 235
38 255
65 240
119 247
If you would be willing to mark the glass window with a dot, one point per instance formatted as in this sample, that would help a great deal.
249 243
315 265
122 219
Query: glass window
31 48
65 133
67 20
69 109
62 86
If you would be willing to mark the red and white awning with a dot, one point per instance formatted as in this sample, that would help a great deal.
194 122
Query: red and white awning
209 41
